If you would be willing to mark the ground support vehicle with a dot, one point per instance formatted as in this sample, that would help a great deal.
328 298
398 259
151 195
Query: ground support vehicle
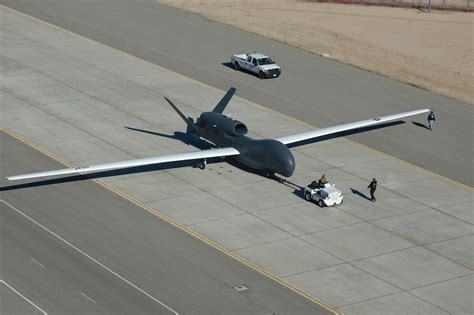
328 195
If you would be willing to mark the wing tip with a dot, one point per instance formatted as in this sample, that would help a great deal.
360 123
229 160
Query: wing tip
13 178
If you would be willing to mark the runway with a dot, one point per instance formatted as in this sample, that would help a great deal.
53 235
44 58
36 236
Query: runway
313 89
75 247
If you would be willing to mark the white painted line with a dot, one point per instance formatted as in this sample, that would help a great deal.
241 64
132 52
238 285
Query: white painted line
38 263
88 298
27 300
91 258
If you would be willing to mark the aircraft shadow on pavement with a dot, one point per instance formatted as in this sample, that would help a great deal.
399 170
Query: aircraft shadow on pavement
360 194
346 133
184 137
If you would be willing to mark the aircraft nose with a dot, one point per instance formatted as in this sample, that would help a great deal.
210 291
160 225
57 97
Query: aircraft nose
286 162
288 166
279 158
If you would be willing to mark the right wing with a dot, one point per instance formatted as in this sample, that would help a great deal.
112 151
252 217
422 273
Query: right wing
344 127
211 153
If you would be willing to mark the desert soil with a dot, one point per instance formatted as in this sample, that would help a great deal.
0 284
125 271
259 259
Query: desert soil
431 50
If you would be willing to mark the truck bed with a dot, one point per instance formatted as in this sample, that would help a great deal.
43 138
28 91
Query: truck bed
240 56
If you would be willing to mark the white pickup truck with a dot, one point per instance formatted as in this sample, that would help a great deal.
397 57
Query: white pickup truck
259 64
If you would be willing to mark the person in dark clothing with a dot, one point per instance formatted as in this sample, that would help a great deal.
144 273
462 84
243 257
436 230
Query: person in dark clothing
373 187
314 184
431 120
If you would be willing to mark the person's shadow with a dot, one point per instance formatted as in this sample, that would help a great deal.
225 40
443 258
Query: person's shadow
420 125
358 193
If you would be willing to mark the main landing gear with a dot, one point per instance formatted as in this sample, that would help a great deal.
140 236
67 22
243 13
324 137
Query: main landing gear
201 165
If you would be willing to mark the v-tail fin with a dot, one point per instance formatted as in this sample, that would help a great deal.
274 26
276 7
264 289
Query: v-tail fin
186 120
224 101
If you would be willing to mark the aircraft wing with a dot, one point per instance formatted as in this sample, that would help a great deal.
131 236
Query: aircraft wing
344 127
221 152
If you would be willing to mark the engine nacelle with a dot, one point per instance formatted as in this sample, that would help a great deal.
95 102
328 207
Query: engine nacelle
231 126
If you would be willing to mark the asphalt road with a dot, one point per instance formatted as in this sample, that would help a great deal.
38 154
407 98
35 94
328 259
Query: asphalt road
316 90
109 256
36 261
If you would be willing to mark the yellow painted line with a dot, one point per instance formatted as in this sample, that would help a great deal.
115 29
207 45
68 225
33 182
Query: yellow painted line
261 107
31 144
180 226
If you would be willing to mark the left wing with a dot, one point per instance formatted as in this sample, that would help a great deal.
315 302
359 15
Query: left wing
133 163
344 127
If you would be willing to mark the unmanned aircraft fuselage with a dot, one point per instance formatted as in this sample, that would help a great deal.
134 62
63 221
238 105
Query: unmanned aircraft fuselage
260 154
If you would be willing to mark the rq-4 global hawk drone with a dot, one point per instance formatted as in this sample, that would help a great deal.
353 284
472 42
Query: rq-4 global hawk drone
228 135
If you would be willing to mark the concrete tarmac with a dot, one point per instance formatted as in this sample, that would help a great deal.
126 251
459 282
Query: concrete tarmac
314 89
108 256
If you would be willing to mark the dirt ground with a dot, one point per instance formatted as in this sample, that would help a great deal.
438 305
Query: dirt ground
430 50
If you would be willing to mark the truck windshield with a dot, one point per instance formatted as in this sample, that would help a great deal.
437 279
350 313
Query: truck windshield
265 61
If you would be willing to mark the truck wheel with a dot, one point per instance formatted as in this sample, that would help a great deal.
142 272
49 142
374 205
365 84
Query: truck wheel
307 196
261 75
237 66
321 203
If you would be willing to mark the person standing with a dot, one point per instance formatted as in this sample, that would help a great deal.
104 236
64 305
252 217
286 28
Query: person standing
431 120
373 187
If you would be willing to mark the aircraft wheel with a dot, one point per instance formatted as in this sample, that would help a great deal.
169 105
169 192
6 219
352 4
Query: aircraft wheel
307 196
321 203
202 165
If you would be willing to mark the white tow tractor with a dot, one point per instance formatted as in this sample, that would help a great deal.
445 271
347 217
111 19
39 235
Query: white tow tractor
325 195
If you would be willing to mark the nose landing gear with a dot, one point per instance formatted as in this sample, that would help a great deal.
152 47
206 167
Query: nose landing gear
272 175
